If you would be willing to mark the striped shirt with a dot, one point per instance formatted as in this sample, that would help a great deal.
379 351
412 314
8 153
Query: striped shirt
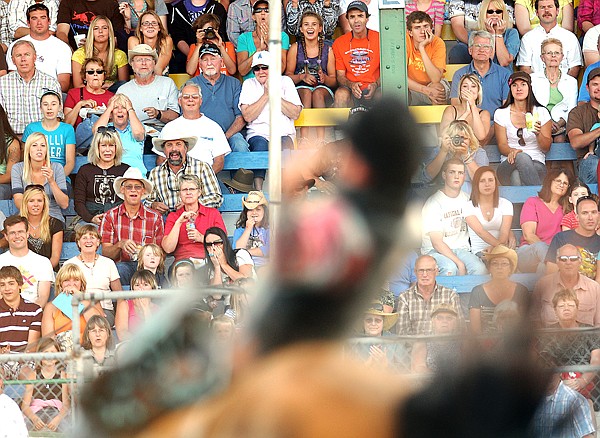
146 227
15 324
415 311
166 184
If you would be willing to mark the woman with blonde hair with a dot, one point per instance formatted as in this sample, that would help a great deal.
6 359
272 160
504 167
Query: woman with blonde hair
552 89
494 18
36 168
470 96
57 320
101 43
150 30
45 236
458 140
133 12
93 191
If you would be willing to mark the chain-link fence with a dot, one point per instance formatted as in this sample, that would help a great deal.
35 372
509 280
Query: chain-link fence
42 385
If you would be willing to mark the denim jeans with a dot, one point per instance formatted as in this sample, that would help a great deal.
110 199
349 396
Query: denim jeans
531 257
446 266
258 143
588 169
238 143
126 271
525 171
459 54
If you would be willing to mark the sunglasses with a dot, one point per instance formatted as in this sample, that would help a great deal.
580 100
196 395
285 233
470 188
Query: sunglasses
213 243
259 10
106 129
572 258
260 67
495 11
520 135
91 72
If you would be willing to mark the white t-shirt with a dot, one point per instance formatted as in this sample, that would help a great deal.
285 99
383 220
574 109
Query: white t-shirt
251 92
444 214
33 267
590 40
505 208
53 56
161 94
531 48
211 138
373 8
98 276
531 148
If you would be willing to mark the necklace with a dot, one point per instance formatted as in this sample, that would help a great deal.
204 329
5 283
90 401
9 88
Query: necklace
91 268
557 78
33 226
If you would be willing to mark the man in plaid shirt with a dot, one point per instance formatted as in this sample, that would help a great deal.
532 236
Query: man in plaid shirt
127 227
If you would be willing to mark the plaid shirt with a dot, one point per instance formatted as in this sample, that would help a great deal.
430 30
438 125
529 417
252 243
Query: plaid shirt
5 35
563 414
415 311
21 100
166 184
146 227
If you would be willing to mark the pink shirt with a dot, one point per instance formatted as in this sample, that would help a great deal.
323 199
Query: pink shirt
570 220
435 10
548 223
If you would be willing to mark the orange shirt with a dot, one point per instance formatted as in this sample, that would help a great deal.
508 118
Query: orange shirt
229 48
436 51
358 57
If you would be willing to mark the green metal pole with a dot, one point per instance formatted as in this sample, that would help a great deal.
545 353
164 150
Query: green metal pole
392 24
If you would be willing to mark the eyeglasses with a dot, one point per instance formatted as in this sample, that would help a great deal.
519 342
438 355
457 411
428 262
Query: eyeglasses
259 68
189 190
565 259
259 10
553 53
91 72
190 96
143 60
374 320
136 187
520 135
561 183
495 11
214 243
425 271
106 129
481 46
150 23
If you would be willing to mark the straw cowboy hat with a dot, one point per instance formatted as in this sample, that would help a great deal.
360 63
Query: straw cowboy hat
141 50
160 141
132 173
243 180
254 199
503 251
389 319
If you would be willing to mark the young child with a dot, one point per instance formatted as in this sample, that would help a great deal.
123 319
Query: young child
132 313
183 274
252 228
152 258
60 135
569 220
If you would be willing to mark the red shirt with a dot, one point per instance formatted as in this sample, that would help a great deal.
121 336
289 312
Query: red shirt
146 227
207 217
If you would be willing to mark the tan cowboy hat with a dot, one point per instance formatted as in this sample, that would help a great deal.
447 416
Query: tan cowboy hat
159 142
133 173
254 199
141 50
503 251
243 180
389 319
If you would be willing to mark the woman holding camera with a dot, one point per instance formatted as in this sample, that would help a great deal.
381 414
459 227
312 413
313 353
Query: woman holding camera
205 28
524 134
458 140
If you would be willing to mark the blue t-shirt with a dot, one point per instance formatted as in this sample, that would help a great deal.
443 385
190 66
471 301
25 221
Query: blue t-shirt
246 44
584 94
133 150
259 238
220 102
57 139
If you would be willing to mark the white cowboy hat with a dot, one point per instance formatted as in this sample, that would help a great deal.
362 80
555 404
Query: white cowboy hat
132 173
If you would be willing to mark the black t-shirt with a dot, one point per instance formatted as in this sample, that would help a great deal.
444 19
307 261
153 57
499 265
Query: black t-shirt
588 249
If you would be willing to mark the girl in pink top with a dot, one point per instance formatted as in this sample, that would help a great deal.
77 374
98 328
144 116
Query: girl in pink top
541 217
433 8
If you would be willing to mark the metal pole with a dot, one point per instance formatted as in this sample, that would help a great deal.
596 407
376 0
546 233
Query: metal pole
275 114
392 21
